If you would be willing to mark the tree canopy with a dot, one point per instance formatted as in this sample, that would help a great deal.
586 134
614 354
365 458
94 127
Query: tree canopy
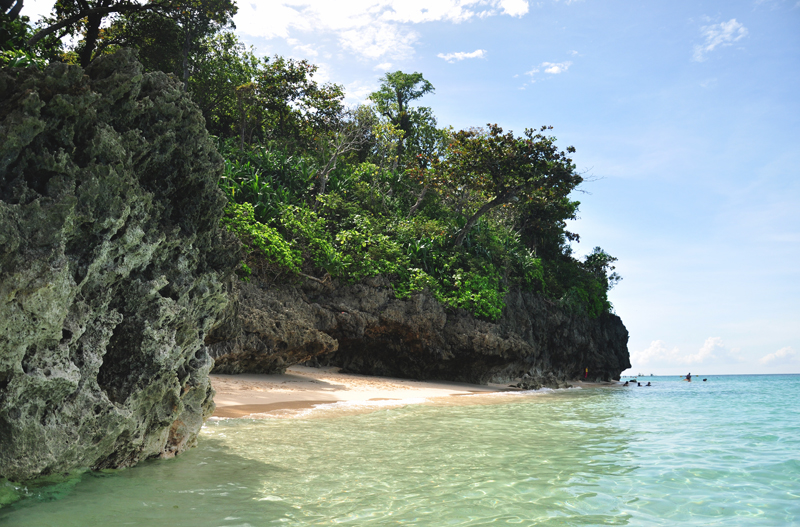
317 190
393 100
501 168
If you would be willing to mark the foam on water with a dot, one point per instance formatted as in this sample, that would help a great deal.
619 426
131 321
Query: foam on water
724 452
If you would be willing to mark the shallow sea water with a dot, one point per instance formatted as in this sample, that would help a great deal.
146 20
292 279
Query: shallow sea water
721 452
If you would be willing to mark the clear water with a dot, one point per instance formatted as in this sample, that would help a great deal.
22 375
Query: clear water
723 452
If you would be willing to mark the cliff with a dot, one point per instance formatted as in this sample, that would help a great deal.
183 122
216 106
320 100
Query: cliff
112 267
364 329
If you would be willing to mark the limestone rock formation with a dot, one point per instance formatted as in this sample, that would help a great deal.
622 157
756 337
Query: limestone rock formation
364 329
112 267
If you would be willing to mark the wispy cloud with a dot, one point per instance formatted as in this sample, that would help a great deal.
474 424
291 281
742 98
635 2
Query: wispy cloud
513 7
718 35
374 42
357 92
783 356
461 55
554 68
306 49
383 66
369 28
659 353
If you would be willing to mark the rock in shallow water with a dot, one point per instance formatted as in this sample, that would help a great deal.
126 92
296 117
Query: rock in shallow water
112 267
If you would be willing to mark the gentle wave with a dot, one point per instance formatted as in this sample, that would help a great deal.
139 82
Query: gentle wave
725 452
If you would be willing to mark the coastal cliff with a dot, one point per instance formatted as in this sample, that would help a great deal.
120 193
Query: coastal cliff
364 329
116 281
112 267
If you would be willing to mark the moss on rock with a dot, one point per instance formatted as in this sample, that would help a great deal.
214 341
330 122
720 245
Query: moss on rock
112 267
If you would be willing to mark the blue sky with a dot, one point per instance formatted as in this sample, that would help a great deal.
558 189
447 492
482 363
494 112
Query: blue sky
685 116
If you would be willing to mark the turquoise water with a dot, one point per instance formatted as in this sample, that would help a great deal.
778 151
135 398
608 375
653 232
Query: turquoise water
723 452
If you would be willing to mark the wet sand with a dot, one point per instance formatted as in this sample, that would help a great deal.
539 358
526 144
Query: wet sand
303 387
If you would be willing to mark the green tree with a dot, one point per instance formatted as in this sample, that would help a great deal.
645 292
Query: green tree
600 264
284 103
85 18
13 28
170 38
500 168
221 65
393 100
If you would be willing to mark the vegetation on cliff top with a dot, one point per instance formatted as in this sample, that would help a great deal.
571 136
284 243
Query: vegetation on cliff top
318 191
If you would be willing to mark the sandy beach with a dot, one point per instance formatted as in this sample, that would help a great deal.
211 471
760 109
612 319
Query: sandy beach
303 387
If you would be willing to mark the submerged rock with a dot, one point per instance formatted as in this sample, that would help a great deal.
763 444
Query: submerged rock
364 329
112 267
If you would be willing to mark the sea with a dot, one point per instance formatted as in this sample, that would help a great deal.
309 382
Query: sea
724 451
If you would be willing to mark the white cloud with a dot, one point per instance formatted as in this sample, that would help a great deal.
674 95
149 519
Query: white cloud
461 55
374 42
383 66
658 353
513 7
783 356
305 49
555 68
719 35
371 28
357 92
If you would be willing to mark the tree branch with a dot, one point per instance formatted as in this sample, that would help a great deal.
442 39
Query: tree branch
83 14
503 197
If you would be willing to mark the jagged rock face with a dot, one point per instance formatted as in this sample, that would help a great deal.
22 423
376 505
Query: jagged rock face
269 329
377 334
112 267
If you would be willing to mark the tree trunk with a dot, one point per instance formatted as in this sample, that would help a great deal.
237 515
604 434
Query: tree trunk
92 32
14 12
419 201
501 198
102 11
186 43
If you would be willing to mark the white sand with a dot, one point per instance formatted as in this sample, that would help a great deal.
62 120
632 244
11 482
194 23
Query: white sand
302 387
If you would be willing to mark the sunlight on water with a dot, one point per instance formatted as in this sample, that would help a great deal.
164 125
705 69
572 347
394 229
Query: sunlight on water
725 452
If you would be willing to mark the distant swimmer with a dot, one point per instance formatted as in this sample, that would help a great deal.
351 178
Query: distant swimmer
626 383
689 377
704 380
639 384
648 384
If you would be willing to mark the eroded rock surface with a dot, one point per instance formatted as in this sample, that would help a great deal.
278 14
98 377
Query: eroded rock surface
365 329
112 267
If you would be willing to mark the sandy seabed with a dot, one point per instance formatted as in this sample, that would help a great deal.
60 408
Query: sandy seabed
303 389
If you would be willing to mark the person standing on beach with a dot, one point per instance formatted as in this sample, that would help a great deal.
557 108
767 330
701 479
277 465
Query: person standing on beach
586 374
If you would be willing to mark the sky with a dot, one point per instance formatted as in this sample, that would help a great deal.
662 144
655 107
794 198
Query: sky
686 120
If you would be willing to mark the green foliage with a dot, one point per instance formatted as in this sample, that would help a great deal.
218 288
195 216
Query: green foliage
416 124
260 238
318 190
267 177
501 168
20 59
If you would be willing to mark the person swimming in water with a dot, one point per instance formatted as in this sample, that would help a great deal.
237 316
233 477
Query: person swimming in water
648 384
626 383
689 377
